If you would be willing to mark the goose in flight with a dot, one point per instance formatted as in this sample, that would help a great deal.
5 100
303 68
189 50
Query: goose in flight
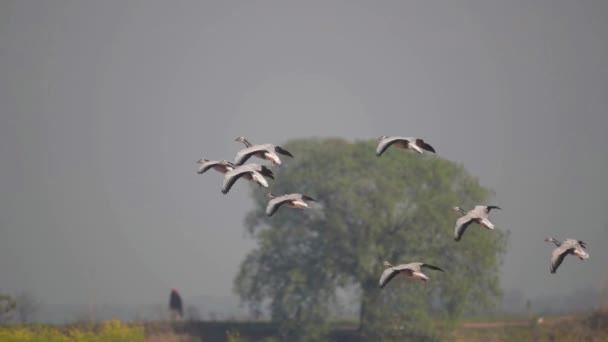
262 151
404 143
221 166
568 246
294 200
411 270
479 215
253 172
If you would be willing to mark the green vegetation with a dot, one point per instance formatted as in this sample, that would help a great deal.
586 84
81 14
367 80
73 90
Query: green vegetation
111 331
396 208
590 327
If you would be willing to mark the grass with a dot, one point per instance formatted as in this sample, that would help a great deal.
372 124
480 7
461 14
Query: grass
590 327
110 331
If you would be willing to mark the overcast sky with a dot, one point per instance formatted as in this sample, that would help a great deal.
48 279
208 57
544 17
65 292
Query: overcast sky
106 105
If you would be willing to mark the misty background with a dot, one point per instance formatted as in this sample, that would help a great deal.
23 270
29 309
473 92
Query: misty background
106 106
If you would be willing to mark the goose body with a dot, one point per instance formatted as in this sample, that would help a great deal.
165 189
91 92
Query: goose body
478 215
295 200
568 246
412 270
404 143
221 166
263 151
252 172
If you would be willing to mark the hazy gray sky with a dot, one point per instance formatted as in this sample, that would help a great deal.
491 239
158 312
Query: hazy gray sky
106 105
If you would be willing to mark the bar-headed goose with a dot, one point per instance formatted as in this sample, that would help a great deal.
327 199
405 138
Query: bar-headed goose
294 200
479 215
262 151
404 143
221 166
568 246
411 270
253 172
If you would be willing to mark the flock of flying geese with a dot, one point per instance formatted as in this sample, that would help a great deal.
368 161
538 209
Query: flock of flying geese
258 173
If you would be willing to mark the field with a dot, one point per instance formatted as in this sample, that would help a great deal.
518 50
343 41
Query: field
592 327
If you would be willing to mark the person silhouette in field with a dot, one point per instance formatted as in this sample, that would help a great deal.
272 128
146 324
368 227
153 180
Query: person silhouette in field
175 305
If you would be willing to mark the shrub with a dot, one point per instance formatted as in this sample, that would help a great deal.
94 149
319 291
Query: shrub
110 331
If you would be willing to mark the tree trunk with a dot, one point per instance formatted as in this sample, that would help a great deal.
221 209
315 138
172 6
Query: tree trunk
369 294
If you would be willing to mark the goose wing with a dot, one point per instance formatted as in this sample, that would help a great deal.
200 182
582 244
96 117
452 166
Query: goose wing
274 204
558 255
232 176
424 145
417 266
490 207
385 143
279 149
387 275
432 267
243 155
307 198
300 197
265 171
461 225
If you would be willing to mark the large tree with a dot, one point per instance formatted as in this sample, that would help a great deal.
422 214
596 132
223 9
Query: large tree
397 208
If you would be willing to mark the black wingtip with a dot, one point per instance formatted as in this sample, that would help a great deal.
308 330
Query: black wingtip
283 151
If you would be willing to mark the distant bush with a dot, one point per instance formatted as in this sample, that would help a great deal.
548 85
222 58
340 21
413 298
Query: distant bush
110 331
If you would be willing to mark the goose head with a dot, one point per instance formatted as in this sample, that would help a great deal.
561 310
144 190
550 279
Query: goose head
459 210
243 140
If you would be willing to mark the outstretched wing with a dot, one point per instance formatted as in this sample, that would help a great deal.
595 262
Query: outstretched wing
279 149
490 207
232 176
423 145
386 276
558 255
274 204
266 172
308 198
432 267
385 143
461 225
243 155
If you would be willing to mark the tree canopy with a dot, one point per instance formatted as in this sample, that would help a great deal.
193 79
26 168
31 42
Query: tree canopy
398 208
